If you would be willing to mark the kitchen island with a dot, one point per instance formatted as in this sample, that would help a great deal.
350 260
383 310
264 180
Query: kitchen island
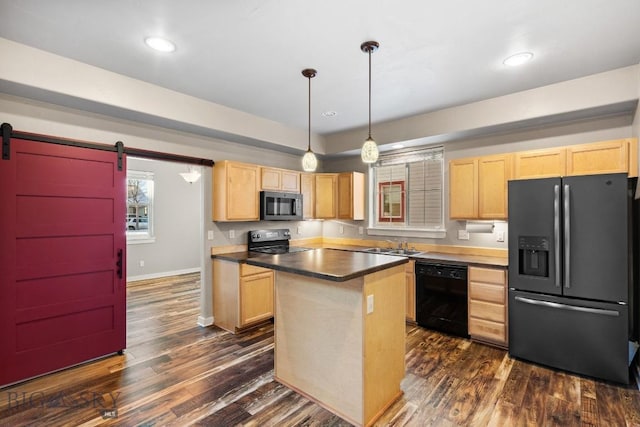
340 328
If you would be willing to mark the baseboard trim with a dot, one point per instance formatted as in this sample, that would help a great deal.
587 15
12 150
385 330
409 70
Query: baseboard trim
163 274
205 321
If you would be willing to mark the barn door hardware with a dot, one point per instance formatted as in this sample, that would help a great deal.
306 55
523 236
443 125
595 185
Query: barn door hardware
120 149
6 138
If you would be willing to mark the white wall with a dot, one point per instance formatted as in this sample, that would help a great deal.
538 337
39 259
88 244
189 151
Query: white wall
177 220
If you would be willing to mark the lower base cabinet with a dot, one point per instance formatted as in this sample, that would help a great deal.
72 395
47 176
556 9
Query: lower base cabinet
488 305
410 277
242 295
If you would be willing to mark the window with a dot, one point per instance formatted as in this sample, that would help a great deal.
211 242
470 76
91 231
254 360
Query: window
408 193
139 206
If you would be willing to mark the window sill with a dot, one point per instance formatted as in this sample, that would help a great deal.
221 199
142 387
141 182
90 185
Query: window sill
140 240
407 232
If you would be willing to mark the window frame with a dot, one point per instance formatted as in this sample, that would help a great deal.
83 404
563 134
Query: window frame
393 228
141 236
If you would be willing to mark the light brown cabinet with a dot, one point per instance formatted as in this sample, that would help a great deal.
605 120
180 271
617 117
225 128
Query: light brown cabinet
326 188
339 195
544 163
463 188
478 187
351 195
615 156
235 191
273 179
308 190
488 305
602 157
242 295
410 278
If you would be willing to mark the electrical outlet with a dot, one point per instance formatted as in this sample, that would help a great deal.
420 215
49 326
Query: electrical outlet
232 234
500 236
369 304
341 229
210 234
360 230
463 235
141 263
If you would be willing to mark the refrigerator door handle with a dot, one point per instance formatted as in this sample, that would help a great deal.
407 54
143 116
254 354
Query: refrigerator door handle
556 232
568 307
567 236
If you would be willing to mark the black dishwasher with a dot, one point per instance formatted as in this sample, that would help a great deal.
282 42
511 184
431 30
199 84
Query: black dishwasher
441 297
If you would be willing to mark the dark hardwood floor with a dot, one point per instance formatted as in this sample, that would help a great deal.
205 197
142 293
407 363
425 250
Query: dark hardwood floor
175 373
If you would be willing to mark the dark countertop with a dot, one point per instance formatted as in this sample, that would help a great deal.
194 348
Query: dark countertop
327 264
439 257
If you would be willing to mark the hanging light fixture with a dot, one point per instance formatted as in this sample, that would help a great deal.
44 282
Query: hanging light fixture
369 151
309 160
192 176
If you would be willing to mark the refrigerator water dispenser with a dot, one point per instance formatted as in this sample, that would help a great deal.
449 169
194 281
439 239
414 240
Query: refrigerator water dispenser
533 256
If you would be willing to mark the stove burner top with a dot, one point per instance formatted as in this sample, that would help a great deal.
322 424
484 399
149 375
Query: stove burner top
272 242
274 250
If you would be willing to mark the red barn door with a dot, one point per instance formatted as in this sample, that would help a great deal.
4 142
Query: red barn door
62 236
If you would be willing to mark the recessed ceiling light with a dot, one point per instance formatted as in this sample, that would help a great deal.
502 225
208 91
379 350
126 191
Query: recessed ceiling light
160 44
329 114
397 146
518 59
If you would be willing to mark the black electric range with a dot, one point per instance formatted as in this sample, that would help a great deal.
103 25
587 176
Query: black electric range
272 242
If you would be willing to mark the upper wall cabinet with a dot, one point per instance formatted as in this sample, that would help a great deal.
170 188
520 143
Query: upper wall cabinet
351 195
273 179
326 188
463 188
308 190
235 191
493 174
540 163
601 157
478 187
620 155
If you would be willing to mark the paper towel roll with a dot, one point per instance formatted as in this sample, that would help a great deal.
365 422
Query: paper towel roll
479 227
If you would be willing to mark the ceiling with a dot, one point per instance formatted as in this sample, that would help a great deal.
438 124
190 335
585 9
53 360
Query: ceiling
249 54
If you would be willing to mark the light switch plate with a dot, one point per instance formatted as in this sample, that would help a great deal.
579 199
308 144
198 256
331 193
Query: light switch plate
232 234
360 230
341 229
299 230
500 236
463 235
210 234
369 304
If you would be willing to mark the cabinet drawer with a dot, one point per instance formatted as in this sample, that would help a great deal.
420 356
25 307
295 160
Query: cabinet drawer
488 275
487 311
485 329
246 269
487 292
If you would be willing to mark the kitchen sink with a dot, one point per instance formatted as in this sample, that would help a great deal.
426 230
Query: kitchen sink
390 251
377 250
407 252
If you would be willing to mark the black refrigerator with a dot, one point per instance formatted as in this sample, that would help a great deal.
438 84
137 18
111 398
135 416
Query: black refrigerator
572 268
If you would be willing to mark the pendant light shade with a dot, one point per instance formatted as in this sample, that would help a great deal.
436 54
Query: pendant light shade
309 160
369 151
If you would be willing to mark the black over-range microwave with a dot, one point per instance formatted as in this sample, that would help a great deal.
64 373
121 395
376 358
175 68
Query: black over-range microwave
275 206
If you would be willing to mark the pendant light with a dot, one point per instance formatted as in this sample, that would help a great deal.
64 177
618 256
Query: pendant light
369 151
309 160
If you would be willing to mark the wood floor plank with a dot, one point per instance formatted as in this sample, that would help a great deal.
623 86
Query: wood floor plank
175 373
